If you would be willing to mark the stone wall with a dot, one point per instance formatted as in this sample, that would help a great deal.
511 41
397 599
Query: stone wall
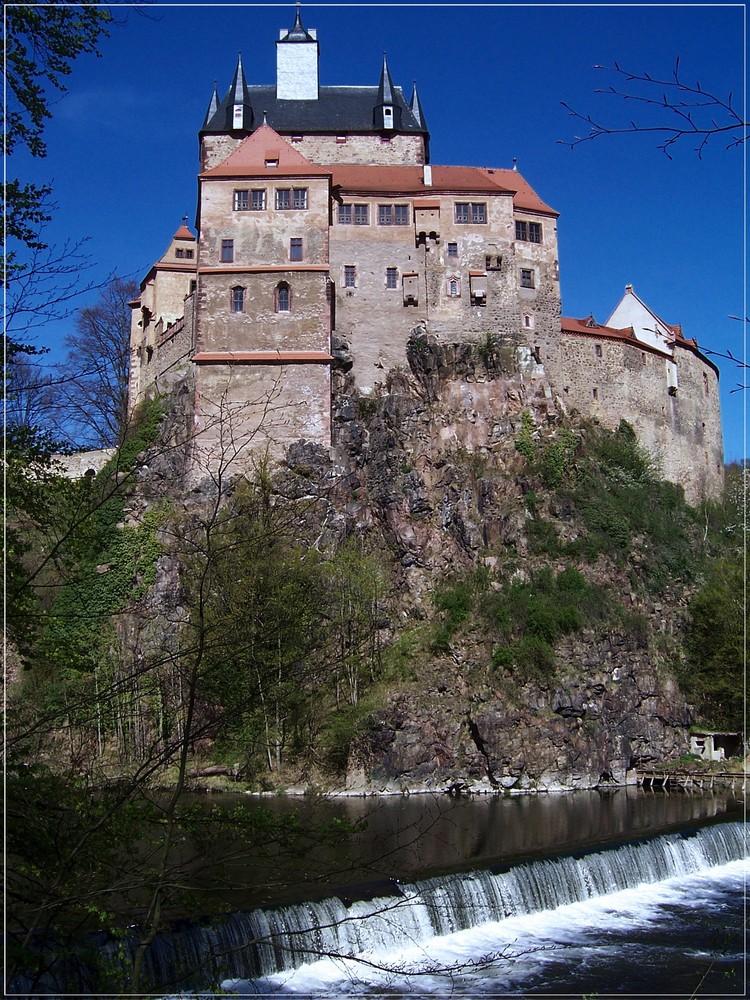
376 320
395 150
613 380
243 410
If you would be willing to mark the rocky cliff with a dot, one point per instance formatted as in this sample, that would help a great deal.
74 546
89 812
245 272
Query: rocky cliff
456 470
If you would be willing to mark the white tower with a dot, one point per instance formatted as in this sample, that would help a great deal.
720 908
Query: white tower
297 63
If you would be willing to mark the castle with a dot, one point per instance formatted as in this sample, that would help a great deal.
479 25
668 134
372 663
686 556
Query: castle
323 226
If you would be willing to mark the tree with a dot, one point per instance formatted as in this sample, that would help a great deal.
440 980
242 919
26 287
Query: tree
675 111
93 391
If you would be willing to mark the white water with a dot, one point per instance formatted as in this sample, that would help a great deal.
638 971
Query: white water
471 922
498 956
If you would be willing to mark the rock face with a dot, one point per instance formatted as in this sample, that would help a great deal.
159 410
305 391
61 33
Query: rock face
579 732
430 462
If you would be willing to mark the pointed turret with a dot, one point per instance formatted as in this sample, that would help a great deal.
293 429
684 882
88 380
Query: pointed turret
387 113
240 109
415 106
213 107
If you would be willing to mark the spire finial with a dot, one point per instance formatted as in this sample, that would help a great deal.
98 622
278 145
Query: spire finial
298 33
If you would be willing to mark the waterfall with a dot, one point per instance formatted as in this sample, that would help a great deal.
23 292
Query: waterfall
262 942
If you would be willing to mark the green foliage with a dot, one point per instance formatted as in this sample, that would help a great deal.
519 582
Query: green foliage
525 441
42 42
291 640
556 459
534 658
404 656
713 670
627 510
456 603
487 348
543 537
530 617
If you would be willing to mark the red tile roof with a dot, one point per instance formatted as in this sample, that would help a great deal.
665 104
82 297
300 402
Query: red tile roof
409 180
590 328
249 159
183 233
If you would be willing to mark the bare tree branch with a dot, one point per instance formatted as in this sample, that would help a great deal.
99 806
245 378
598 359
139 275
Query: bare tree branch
675 110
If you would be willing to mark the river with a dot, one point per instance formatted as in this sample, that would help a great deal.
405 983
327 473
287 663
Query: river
621 891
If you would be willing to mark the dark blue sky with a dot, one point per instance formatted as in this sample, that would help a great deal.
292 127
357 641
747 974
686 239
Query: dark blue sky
123 149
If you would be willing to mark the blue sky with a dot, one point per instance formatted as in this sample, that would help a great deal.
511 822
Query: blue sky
123 148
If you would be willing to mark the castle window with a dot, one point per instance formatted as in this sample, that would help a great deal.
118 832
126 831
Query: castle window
529 232
528 321
527 278
493 262
596 393
250 201
238 300
183 254
227 251
350 276
340 139
283 297
271 164
598 350
296 138
705 383
453 287
393 215
295 248
474 212
391 277
452 250
288 198
358 215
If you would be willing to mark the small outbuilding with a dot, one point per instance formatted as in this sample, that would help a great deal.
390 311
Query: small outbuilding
711 745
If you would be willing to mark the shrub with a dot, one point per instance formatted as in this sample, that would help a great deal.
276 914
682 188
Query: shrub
534 658
525 442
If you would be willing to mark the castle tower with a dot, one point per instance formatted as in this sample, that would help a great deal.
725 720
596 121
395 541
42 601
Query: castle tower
297 63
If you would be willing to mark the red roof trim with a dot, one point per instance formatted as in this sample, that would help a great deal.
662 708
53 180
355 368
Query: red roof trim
271 268
262 358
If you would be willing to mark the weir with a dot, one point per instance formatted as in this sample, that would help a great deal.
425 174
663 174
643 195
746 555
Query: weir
261 942
258 943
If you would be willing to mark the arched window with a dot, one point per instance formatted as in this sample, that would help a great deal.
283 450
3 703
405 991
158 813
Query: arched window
238 299
453 286
283 297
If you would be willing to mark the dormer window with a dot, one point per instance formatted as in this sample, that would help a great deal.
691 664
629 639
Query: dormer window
271 164
238 118
387 117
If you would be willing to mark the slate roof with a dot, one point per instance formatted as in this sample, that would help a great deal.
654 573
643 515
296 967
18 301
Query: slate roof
337 110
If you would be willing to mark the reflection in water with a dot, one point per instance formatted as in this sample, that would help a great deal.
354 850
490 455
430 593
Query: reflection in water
410 837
